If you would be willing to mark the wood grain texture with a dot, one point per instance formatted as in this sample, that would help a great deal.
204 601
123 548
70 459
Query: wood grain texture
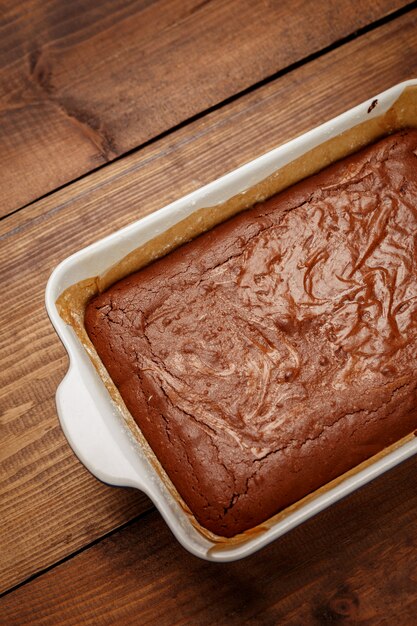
354 564
50 505
82 82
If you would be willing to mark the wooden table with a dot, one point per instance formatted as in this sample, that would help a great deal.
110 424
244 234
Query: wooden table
108 111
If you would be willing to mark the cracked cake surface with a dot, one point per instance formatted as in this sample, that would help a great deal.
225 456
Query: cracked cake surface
276 351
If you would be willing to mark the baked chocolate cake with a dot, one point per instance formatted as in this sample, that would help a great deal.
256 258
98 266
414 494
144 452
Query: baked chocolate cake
277 351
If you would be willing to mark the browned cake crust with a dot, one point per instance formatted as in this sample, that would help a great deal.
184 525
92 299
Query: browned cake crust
277 351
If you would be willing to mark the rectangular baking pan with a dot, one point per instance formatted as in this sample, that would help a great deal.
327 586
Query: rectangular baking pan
98 430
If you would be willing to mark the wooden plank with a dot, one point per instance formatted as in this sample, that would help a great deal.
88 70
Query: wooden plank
355 563
82 82
34 240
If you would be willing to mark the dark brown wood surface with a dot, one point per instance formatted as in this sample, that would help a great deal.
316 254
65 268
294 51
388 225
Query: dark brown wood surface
355 563
83 82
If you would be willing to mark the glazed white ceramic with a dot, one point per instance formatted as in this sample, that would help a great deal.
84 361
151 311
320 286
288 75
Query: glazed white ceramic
92 423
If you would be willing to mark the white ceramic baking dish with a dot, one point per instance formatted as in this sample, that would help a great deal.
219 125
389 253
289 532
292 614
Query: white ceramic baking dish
92 422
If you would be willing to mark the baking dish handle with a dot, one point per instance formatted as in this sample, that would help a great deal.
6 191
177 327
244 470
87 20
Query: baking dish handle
96 434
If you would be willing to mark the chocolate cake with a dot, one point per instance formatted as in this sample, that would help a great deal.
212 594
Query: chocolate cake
276 351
